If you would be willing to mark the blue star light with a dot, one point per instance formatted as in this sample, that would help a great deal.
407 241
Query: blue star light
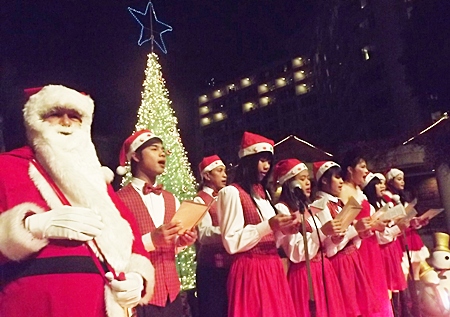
142 19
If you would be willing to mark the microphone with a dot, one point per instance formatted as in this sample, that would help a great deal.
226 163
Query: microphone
296 189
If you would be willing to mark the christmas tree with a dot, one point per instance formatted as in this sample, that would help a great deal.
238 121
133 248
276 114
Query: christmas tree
157 115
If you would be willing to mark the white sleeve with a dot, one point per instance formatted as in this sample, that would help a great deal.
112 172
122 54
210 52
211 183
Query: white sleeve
388 235
235 236
207 233
293 244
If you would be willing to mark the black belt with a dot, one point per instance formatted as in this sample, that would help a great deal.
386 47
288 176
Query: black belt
42 266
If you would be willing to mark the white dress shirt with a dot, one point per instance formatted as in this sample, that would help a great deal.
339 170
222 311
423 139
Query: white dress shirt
207 233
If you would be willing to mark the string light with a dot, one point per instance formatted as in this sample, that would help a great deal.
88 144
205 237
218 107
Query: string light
157 115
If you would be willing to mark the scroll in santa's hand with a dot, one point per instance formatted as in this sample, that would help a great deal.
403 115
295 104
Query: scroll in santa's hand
190 214
394 213
349 212
431 213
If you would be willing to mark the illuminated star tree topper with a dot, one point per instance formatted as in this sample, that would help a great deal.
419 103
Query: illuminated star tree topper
148 20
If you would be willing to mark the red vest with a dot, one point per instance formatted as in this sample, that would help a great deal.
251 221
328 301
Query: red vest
212 255
267 244
167 284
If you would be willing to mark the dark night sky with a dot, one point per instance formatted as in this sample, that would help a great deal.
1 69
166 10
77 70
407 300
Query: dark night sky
92 46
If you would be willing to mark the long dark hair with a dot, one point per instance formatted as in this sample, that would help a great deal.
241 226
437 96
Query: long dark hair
371 192
328 175
351 159
288 197
247 171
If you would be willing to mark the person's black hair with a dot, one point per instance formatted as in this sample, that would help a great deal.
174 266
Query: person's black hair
247 170
371 192
328 175
351 158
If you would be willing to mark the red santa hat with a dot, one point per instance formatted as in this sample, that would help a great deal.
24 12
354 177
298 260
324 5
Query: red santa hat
380 176
319 168
286 169
43 100
253 143
209 163
130 146
393 173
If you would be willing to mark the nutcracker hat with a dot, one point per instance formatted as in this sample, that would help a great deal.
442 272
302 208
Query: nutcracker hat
319 168
380 176
441 241
131 145
286 169
253 143
209 163
368 179
393 173
42 100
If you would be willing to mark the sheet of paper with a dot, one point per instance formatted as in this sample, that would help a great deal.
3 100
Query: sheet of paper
189 214
410 213
393 213
380 213
349 212
431 213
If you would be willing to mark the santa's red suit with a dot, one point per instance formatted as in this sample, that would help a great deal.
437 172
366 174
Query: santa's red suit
41 277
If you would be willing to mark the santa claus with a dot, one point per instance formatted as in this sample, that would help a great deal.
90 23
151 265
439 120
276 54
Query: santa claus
68 246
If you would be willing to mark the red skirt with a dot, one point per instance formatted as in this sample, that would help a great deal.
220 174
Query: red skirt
417 250
392 259
353 278
373 261
257 287
298 282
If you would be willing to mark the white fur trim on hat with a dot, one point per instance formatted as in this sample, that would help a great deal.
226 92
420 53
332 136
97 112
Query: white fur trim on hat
256 148
325 167
292 172
212 166
393 173
380 176
367 179
139 141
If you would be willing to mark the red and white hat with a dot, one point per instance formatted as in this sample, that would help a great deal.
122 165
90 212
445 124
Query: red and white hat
319 168
253 143
367 179
380 176
130 146
393 173
42 100
209 163
286 169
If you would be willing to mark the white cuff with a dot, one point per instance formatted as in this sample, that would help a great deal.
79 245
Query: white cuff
263 228
148 243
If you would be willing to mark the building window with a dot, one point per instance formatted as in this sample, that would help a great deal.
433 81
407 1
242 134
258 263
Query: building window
301 89
300 75
202 99
219 116
280 82
203 110
297 62
248 106
205 121
231 88
217 93
264 101
263 89
245 82
367 52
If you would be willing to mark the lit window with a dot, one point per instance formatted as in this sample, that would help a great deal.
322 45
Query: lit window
363 4
217 93
205 121
202 99
280 82
219 116
231 87
301 89
248 106
263 88
297 62
203 110
264 101
246 82
299 75
366 51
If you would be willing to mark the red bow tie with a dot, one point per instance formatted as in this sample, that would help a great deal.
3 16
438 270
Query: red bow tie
151 189
215 193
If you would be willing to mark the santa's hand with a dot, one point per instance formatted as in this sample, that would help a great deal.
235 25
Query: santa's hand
66 222
127 292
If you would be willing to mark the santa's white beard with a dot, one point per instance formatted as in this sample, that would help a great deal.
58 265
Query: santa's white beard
71 160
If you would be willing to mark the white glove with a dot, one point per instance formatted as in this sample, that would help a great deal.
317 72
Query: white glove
127 292
66 222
